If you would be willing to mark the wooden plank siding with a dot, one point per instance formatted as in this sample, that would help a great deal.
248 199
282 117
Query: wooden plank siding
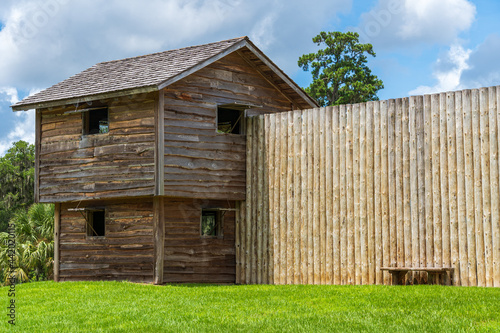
408 182
127 251
200 163
124 253
189 257
117 164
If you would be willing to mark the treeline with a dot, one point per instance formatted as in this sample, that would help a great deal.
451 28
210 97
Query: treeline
26 229
17 179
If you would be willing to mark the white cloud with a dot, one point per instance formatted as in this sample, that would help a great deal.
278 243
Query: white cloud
406 23
24 122
10 93
448 71
50 40
484 68
24 129
463 68
262 33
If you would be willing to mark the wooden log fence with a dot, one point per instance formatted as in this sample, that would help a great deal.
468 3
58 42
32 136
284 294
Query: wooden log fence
336 193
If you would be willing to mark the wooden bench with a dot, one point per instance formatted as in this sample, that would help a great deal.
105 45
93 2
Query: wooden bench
435 273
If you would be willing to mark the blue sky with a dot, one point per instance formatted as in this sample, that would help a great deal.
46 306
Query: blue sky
422 46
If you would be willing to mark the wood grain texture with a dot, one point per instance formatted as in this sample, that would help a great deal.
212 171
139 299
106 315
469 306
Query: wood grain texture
420 129
38 134
469 187
126 251
193 148
329 192
461 239
391 138
322 197
363 190
117 164
356 194
289 267
429 194
398 230
158 239
407 210
445 203
297 174
283 197
370 195
377 241
436 182
452 228
478 192
495 186
57 241
192 258
337 278
310 197
384 186
485 175
303 199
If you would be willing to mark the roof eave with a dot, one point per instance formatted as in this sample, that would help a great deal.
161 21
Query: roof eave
74 100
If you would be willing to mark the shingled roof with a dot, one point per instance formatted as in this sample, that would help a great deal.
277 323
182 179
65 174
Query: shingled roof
145 74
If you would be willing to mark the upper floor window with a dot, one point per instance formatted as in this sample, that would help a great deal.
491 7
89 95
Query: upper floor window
229 120
231 117
95 121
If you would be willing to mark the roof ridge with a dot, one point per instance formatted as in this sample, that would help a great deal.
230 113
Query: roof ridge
172 50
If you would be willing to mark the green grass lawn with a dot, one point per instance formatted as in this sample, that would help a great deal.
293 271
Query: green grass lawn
127 307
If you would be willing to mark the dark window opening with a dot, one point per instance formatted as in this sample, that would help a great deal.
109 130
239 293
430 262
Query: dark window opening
211 223
95 121
96 223
230 120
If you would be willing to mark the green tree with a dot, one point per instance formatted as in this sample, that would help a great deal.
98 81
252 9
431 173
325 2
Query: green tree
340 74
17 175
34 252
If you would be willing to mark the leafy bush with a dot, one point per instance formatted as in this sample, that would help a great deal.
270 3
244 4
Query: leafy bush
34 251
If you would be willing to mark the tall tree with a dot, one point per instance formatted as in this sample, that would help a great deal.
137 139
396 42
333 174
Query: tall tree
17 175
340 74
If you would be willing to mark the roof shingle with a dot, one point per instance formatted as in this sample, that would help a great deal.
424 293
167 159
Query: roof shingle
131 73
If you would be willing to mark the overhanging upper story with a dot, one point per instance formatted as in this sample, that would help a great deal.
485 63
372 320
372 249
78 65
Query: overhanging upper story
168 124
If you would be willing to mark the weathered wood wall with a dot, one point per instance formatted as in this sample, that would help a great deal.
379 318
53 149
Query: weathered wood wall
188 256
125 253
117 164
199 163
333 194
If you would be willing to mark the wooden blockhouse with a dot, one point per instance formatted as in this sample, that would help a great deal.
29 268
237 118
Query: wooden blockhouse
145 160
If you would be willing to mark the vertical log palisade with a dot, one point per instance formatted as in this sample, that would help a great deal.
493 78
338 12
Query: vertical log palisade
411 182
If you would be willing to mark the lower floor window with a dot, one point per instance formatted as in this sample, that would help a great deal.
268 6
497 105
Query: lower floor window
211 223
96 223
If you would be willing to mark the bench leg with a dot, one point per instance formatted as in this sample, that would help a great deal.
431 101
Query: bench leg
398 278
434 277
